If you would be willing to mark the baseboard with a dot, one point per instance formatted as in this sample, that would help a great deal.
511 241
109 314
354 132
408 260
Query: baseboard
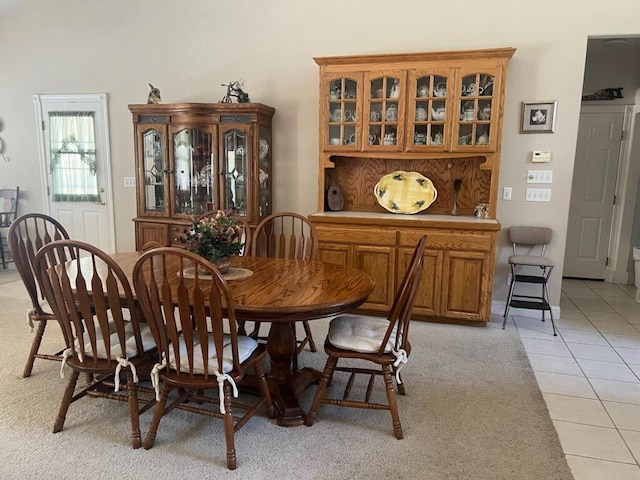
497 309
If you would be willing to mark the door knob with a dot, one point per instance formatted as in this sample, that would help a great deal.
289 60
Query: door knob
101 203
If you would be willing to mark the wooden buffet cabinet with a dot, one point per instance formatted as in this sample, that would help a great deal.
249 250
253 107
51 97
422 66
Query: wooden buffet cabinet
195 157
439 114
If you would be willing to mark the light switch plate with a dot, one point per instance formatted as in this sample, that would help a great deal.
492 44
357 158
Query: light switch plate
538 195
540 176
129 182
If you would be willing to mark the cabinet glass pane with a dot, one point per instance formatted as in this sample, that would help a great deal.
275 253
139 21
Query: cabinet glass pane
476 104
194 182
235 171
430 110
342 111
154 171
383 111
264 173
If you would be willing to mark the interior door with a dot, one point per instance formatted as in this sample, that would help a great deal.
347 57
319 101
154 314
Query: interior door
592 194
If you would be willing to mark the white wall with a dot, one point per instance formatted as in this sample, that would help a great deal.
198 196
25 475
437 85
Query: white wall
187 49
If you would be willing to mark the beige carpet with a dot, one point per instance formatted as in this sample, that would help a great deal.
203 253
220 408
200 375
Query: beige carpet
472 411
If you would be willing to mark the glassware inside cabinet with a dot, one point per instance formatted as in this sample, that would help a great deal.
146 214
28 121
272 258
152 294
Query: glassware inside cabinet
264 172
194 183
154 165
474 134
477 85
383 111
430 110
476 105
342 111
235 171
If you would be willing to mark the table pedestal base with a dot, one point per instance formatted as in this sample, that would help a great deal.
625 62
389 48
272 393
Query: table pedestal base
284 384
285 396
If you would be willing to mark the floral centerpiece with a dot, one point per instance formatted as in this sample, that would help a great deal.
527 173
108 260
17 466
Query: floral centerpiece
215 237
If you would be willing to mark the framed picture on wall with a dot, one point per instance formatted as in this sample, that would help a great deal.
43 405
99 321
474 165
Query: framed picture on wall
538 117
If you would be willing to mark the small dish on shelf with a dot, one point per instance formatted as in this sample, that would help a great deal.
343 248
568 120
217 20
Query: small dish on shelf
405 192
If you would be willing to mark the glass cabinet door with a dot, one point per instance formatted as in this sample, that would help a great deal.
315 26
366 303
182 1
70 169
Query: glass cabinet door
429 105
264 172
154 169
194 171
342 113
235 169
475 110
385 115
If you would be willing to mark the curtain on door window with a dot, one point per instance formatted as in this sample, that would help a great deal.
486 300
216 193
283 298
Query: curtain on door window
73 157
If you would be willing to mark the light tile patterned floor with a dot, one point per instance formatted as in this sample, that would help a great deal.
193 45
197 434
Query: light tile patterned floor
589 376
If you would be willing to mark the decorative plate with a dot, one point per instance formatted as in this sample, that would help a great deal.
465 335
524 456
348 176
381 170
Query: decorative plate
264 149
405 192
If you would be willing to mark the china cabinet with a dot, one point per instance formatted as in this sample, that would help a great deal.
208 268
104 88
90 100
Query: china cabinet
195 157
408 116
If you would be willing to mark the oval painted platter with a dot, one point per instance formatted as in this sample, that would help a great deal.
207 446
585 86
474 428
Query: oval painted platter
405 192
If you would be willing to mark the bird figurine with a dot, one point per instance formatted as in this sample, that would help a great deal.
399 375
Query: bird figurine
154 95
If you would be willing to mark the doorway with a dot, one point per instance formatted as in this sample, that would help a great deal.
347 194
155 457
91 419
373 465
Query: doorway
603 240
75 165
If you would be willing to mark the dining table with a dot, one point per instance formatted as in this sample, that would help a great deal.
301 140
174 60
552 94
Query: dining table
281 291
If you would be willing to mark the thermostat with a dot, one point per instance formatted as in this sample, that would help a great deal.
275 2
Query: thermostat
541 156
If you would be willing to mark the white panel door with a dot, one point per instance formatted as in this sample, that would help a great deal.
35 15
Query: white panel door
592 194
75 165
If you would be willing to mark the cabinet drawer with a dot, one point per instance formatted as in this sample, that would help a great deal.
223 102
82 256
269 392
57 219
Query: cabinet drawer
449 240
175 233
358 236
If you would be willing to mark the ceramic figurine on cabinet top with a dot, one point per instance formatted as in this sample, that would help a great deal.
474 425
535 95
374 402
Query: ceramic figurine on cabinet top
235 89
154 95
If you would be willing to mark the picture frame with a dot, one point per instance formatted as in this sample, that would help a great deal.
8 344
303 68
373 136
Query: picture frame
539 117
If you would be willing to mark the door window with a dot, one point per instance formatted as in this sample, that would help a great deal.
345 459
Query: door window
73 157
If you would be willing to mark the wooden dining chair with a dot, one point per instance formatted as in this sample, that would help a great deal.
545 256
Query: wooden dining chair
381 341
287 235
192 316
26 236
94 304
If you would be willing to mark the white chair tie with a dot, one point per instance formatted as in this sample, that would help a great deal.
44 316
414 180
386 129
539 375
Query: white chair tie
401 360
30 321
65 354
124 362
155 376
221 378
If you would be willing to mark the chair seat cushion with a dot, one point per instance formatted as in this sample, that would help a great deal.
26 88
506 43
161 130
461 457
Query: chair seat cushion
531 260
246 346
360 334
130 346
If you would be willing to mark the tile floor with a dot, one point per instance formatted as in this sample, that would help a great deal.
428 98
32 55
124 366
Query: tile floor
589 376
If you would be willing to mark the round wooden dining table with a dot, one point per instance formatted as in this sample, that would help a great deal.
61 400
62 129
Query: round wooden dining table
282 291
